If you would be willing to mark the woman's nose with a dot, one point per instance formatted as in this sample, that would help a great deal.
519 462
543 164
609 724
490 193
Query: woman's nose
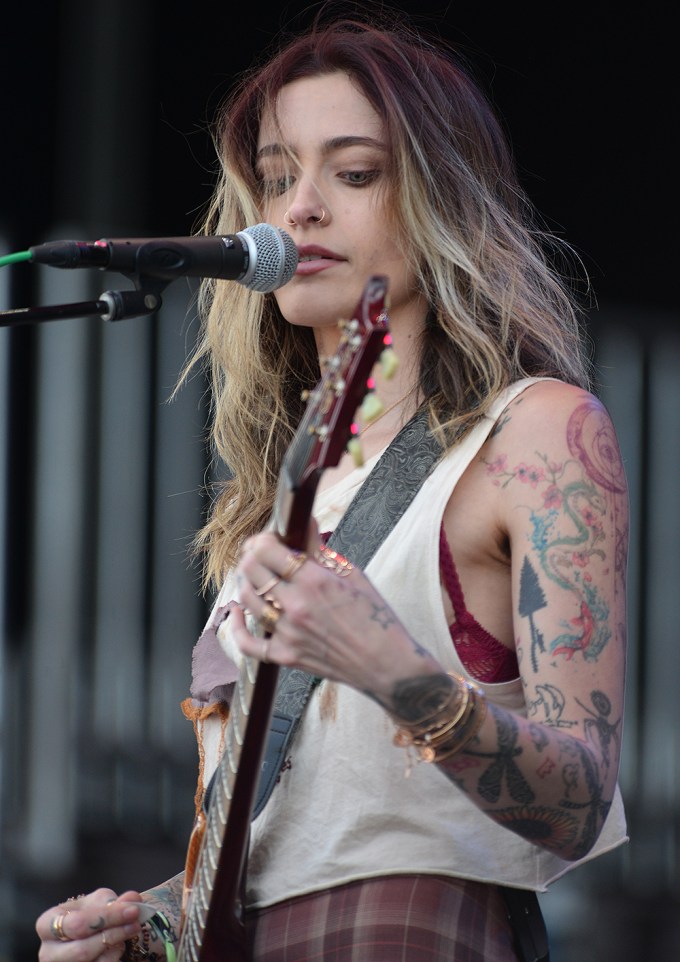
306 208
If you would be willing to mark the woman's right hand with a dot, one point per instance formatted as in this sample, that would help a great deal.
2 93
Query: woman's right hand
89 927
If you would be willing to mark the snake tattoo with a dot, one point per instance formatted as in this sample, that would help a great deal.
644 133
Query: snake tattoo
563 555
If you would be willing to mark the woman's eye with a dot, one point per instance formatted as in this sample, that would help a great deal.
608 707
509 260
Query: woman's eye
275 186
360 178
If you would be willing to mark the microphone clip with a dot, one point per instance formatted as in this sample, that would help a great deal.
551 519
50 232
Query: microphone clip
110 306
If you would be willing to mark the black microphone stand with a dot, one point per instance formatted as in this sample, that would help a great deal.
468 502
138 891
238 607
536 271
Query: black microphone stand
110 306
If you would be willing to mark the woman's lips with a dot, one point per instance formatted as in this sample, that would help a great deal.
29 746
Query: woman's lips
313 259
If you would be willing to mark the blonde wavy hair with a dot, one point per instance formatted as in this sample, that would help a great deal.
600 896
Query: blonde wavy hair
499 307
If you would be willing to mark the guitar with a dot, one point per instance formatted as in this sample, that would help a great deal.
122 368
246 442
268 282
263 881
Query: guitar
212 927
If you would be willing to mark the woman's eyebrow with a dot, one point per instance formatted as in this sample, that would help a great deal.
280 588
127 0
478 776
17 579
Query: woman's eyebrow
327 147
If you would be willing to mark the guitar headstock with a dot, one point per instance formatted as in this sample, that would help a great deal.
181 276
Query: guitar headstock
326 426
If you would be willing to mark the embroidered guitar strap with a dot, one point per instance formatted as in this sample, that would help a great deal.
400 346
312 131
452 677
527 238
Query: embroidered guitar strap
373 512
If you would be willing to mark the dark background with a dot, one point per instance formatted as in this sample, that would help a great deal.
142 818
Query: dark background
588 94
104 131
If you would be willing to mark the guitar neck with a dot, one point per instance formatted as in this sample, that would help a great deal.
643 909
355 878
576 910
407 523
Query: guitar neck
213 912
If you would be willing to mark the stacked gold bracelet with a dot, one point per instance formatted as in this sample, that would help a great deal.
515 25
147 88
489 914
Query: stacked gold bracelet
136 948
446 733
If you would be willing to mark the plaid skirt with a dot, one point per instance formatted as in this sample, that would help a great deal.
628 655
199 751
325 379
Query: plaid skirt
403 918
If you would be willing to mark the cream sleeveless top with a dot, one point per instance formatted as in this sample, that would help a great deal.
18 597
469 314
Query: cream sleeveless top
345 809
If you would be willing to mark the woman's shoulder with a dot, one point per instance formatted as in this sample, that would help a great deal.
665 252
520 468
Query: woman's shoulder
553 423
550 390
544 404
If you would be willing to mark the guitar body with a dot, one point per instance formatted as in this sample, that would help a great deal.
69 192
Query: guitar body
212 928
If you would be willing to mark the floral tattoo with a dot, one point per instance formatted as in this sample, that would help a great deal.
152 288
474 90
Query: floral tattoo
568 531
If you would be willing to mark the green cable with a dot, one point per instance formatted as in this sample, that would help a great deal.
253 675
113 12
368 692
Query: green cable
15 258
159 923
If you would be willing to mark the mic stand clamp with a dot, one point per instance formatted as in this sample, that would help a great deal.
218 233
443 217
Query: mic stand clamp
124 304
111 305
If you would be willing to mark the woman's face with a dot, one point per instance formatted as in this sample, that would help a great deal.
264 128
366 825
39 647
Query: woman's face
322 161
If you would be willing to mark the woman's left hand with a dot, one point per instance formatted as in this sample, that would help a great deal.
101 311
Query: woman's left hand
89 927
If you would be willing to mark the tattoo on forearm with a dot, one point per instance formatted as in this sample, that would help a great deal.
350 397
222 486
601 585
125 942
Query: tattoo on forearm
414 699
546 767
503 767
541 824
420 650
585 771
539 737
573 822
167 897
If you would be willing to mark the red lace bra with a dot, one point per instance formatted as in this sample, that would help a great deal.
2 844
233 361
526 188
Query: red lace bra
483 656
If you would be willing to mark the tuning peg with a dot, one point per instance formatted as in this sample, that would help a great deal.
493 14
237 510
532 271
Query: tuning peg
354 448
389 362
371 408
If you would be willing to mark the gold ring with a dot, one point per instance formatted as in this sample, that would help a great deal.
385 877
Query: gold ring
294 562
268 618
266 588
57 928
335 561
